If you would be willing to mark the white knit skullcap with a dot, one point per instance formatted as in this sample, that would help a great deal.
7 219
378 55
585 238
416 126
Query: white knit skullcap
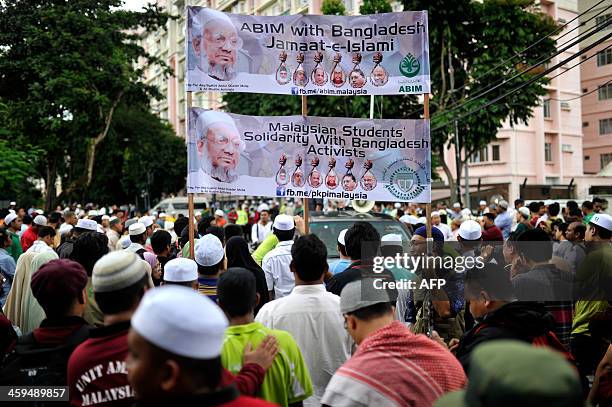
206 15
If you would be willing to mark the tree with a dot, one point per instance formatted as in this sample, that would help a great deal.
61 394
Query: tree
141 154
66 66
333 7
375 6
468 42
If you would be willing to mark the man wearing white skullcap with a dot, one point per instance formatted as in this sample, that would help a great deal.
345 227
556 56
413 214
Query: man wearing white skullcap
436 220
263 227
174 353
13 223
218 144
338 266
181 271
31 234
210 258
119 281
275 263
216 44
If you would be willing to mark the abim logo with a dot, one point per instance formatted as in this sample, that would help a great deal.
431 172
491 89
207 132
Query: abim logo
410 66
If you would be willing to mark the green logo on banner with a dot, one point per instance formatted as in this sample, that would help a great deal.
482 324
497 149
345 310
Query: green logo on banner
410 66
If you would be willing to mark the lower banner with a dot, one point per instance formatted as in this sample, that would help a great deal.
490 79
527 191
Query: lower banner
308 157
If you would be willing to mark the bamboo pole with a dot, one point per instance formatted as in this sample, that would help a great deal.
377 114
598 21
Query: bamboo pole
190 195
427 206
305 200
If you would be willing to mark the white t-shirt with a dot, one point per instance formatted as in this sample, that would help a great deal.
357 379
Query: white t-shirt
259 232
312 316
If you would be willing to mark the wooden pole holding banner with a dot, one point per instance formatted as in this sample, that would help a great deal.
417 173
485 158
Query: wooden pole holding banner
189 194
428 205
305 200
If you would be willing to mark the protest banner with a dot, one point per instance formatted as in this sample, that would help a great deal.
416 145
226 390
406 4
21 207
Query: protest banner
308 157
381 54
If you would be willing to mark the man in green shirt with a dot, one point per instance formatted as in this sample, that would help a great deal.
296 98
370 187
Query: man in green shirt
13 222
592 292
287 382
587 210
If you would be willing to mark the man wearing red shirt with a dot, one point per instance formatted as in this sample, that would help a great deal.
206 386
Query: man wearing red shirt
490 233
31 234
97 369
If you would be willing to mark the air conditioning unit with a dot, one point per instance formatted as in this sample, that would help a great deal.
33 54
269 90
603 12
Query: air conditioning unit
565 106
562 20
567 148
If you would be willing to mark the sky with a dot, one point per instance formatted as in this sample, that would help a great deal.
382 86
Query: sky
134 5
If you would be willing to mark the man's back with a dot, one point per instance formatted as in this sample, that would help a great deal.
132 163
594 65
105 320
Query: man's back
275 265
312 316
97 371
288 380
392 366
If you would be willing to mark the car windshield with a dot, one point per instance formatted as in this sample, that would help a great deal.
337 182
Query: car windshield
328 231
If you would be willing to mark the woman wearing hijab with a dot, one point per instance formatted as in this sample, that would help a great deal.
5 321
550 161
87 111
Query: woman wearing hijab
156 273
238 255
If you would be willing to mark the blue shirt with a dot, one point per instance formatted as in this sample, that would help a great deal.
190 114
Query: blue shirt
504 222
7 267
338 266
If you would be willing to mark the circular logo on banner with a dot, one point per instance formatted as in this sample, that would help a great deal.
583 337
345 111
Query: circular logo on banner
410 66
405 179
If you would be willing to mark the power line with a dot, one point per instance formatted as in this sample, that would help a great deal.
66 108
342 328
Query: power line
532 80
577 40
583 95
504 62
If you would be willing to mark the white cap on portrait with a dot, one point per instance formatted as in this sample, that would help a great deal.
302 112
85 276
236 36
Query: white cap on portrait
219 145
216 42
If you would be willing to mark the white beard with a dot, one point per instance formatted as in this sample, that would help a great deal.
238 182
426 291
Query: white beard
225 72
219 173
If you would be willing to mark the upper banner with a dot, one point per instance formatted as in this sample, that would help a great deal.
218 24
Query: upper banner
379 54
309 157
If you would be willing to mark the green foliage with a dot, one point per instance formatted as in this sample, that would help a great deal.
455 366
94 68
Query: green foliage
66 65
140 154
333 7
375 6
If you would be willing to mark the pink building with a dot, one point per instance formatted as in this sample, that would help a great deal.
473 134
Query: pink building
597 82
539 160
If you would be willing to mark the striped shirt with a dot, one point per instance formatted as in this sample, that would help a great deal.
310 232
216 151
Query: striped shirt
208 287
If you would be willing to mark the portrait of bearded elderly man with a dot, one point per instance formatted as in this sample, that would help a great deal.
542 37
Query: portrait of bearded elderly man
218 145
217 46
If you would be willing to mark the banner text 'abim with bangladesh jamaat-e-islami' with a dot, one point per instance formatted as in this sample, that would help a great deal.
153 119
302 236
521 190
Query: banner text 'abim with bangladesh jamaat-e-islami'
381 54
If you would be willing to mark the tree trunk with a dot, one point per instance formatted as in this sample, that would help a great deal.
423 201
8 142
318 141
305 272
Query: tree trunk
51 176
93 144
449 176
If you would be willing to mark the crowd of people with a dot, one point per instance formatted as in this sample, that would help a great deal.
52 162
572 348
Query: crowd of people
118 308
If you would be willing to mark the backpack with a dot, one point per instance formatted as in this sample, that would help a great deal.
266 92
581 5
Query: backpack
32 365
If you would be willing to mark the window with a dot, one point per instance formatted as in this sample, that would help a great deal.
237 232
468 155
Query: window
604 92
604 21
546 108
587 157
585 124
480 156
494 153
605 126
604 57
548 152
604 160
